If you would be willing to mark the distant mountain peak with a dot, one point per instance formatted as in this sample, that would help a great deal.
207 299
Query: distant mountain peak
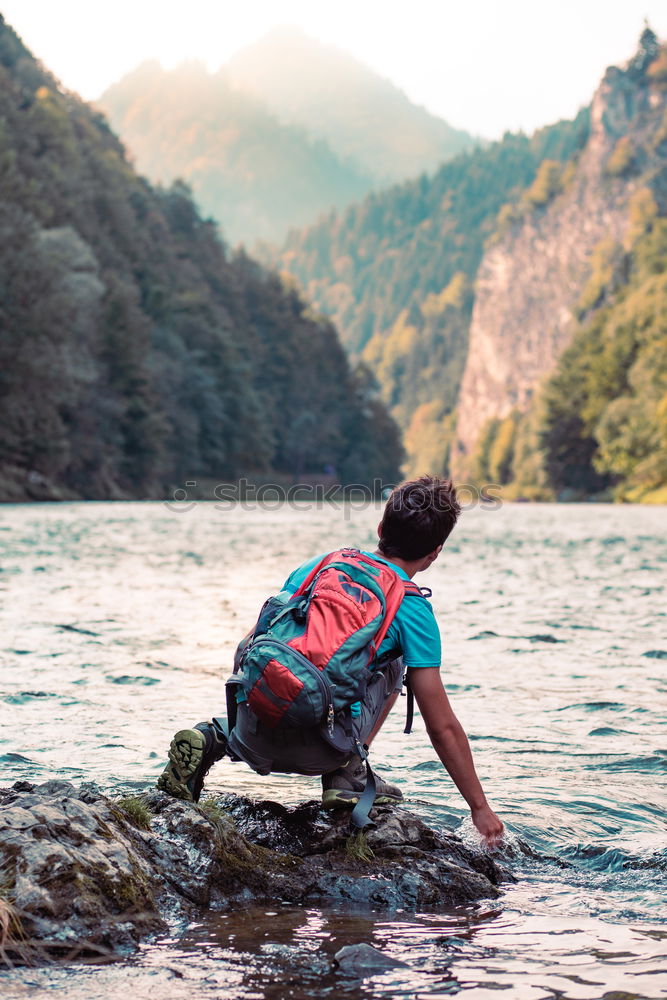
361 114
257 176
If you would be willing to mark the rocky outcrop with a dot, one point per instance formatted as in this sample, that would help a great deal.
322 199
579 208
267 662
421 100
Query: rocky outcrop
84 873
531 279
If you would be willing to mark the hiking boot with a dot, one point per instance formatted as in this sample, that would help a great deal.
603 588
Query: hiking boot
343 787
191 754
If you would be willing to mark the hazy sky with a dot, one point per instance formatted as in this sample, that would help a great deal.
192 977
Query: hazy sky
485 65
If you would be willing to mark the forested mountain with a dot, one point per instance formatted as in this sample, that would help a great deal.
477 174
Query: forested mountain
361 115
396 274
462 291
255 175
135 352
386 254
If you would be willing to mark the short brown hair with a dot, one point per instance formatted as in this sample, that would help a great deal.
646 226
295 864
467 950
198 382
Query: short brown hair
418 517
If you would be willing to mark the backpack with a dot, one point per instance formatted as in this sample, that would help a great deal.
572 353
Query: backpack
311 653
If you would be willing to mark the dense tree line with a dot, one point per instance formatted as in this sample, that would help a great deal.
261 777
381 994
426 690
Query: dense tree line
605 408
419 364
135 352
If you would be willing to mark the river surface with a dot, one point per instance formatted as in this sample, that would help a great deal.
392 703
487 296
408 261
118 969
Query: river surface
117 626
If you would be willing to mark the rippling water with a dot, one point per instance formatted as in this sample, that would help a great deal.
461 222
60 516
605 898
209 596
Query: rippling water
118 625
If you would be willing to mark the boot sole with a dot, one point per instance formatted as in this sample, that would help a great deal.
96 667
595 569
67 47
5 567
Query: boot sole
186 753
336 798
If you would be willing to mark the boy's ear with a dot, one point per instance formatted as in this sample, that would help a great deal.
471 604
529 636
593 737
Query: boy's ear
432 556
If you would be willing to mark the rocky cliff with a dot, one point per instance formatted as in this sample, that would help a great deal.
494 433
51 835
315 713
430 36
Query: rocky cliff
530 282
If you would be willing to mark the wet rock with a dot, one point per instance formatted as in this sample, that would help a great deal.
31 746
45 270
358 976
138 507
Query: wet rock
87 873
270 824
363 960
89 791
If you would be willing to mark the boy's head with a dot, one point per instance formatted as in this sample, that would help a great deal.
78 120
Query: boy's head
418 517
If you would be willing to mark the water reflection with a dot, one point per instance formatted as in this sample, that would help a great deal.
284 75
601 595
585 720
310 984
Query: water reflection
289 952
479 950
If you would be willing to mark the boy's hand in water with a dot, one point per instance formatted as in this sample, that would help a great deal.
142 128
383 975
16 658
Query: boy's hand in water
488 825
452 747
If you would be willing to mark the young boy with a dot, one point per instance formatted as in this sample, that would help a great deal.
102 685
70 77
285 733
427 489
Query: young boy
417 519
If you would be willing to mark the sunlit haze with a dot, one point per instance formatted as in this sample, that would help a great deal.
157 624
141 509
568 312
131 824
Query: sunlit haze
486 67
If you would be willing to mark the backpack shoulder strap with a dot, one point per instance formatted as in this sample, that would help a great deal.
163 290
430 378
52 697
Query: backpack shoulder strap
303 587
336 556
412 590
410 707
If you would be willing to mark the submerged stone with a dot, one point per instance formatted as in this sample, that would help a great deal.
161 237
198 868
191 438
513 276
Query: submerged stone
363 960
87 874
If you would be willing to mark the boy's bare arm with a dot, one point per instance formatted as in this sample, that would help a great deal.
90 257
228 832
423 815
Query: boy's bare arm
451 745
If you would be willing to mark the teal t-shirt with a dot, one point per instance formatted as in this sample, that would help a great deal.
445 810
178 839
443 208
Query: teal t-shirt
414 629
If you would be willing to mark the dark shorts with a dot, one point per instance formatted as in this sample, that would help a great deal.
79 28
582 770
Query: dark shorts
305 751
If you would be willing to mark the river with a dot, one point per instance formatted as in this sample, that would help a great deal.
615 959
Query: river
119 622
